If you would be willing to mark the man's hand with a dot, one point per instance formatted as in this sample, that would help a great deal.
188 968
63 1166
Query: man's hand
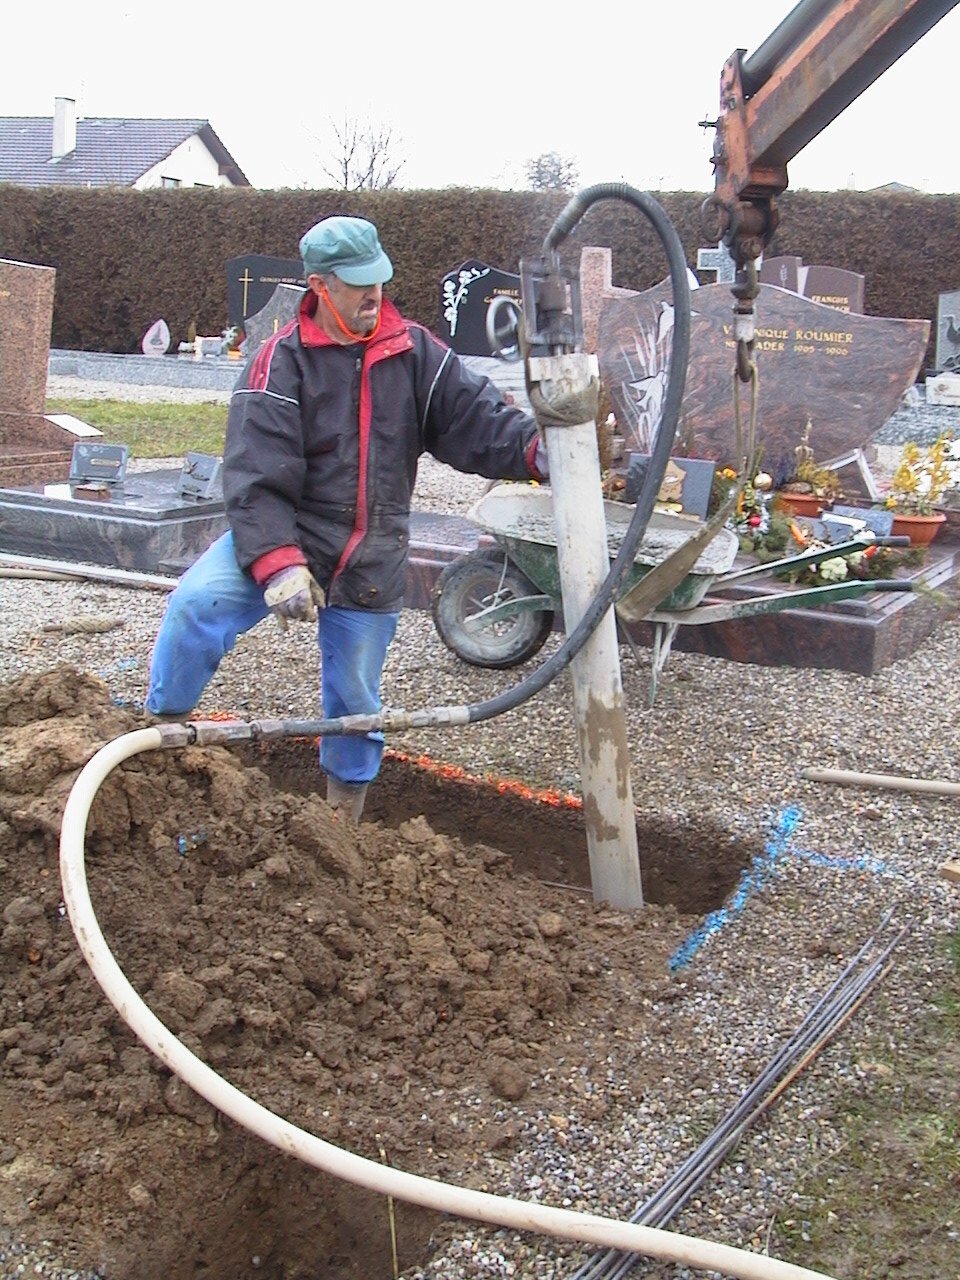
293 594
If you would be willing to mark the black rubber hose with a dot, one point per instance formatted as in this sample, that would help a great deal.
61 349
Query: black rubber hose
666 436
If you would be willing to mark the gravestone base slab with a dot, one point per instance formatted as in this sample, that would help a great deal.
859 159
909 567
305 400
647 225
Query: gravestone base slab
33 449
145 526
33 468
860 636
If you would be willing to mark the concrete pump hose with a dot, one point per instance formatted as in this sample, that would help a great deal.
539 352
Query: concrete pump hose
443 1197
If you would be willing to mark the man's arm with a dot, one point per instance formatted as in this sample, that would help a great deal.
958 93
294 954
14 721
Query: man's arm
470 427
264 465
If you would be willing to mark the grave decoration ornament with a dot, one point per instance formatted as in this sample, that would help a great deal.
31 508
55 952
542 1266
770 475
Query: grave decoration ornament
811 486
156 341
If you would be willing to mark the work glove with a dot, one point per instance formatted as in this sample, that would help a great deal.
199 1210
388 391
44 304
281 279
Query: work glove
560 403
293 594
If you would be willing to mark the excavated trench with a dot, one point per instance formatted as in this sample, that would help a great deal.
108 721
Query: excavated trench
419 990
687 864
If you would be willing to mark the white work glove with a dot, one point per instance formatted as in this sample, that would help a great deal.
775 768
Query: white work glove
293 594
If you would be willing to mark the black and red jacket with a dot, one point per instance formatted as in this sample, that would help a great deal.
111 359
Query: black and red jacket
323 442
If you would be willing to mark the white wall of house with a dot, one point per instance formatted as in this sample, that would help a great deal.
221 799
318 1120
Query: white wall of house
189 165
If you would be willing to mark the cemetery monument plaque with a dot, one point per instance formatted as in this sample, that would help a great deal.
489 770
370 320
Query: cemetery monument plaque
98 463
200 476
782 272
834 287
830 286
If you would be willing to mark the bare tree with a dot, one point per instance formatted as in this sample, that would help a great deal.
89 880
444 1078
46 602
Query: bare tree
551 172
363 160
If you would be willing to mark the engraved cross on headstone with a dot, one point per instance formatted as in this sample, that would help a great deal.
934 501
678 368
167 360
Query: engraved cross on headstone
718 260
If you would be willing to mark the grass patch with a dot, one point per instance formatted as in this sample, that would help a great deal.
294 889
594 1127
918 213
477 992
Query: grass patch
152 430
887 1204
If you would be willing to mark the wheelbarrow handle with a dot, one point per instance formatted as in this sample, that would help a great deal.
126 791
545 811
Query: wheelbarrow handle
753 606
795 561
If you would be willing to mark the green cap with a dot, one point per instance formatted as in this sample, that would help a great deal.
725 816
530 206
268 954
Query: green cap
348 247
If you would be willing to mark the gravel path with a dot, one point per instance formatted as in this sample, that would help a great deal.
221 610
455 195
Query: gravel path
723 751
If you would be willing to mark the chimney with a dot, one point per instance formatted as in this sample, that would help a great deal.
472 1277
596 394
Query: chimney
64 127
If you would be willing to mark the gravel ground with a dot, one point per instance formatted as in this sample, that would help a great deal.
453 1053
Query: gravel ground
723 749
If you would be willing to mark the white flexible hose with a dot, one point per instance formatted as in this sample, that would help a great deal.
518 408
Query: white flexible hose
443 1197
887 781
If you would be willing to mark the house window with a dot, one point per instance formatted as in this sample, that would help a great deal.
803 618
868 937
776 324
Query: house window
169 182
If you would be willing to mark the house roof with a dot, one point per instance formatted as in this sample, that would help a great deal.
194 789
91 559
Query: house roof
109 152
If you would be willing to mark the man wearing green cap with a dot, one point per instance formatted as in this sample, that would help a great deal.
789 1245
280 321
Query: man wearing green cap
325 428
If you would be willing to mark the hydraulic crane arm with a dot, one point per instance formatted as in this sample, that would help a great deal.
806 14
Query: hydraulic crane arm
822 56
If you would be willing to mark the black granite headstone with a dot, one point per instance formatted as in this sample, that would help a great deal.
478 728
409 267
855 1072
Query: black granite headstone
466 295
251 280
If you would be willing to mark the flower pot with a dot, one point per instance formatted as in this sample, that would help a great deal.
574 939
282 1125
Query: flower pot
921 530
800 504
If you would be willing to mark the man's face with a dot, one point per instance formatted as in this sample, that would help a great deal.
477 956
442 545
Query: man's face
358 305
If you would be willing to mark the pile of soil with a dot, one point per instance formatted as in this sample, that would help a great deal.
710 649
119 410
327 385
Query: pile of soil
404 992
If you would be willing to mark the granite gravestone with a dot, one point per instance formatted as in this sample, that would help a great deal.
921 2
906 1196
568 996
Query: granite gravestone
830 286
251 280
719 262
466 296
843 373
948 332
784 272
33 446
282 307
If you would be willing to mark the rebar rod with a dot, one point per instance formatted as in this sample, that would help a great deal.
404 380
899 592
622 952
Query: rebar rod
835 1007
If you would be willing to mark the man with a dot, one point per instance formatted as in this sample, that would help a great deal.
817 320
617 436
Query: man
325 428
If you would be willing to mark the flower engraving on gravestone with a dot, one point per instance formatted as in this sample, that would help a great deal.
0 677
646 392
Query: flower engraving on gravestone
455 295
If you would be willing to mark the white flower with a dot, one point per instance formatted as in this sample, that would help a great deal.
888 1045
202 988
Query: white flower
833 570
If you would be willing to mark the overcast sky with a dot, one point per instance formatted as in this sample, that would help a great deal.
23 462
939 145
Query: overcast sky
471 92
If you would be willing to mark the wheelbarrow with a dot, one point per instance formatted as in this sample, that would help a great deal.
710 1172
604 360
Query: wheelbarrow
495 606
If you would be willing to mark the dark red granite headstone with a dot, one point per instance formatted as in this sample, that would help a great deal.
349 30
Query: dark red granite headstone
31 447
844 373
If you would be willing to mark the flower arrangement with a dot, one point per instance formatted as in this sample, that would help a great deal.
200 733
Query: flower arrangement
922 477
761 529
871 562
769 532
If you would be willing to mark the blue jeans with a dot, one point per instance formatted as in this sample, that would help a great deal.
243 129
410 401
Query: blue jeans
215 601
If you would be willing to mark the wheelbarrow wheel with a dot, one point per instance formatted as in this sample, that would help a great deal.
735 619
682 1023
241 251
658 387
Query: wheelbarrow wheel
478 581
